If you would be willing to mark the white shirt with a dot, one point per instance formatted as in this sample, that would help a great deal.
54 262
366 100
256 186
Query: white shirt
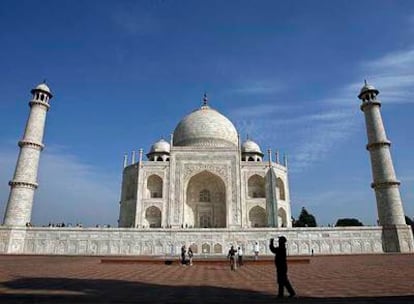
256 247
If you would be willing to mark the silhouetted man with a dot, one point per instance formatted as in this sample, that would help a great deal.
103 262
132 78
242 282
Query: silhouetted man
281 266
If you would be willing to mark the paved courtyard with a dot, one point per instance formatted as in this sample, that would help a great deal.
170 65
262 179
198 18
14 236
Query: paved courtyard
330 279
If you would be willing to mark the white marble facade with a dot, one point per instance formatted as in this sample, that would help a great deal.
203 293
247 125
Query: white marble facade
205 178
165 242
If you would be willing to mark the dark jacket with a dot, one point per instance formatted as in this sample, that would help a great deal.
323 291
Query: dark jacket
232 253
280 257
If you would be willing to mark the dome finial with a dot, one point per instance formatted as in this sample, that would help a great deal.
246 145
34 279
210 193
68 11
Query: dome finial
205 99
365 82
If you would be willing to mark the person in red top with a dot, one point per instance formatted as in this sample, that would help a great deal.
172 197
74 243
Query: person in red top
281 267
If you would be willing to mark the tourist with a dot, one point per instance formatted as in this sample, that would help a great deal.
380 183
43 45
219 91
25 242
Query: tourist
183 255
281 266
232 256
190 256
256 251
239 256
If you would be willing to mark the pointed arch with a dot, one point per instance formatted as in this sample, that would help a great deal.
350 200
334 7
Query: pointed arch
282 218
218 248
205 248
256 186
205 205
153 217
194 248
257 217
154 186
281 192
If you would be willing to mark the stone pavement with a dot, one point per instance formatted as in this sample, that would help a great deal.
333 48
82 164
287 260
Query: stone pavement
358 279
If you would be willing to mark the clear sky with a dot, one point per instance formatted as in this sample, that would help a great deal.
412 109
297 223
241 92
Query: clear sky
287 73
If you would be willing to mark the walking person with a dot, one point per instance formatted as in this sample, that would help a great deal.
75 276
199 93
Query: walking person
239 256
183 255
256 251
232 256
190 256
281 267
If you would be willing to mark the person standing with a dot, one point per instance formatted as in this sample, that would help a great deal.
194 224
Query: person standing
232 256
240 256
183 255
281 267
190 256
256 251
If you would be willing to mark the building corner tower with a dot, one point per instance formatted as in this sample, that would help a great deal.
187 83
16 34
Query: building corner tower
24 182
396 235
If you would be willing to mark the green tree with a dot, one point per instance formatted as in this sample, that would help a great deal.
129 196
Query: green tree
344 222
305 219
409 222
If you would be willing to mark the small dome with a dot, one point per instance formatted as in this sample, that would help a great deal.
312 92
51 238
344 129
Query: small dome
160 146
250 146
205 127
367 87
44 88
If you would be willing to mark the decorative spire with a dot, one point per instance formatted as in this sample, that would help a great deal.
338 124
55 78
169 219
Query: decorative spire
365 82
141 151
133 157
269 153
205 100
125 160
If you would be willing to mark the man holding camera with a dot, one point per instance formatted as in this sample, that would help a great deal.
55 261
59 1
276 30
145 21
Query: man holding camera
281 266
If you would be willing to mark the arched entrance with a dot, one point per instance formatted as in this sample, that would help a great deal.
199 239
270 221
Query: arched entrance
206 201
257 217
153 217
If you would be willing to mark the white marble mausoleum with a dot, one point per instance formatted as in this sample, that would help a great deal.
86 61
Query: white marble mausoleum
205 178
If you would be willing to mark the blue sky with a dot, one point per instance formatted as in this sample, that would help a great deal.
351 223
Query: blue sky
285 72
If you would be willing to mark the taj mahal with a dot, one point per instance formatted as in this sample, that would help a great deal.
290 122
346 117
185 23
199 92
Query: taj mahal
205 178
205 188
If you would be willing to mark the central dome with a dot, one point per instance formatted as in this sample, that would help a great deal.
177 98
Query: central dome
205 127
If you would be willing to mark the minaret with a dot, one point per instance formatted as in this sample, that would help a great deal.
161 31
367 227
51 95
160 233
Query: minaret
397 236
24 182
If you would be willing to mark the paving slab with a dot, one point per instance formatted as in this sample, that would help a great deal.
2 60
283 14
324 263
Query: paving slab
386 278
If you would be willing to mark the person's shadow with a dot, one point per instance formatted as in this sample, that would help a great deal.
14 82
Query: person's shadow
63 290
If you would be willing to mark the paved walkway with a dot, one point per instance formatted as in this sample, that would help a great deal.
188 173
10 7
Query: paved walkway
329 279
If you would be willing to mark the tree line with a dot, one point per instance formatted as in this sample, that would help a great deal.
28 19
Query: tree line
307 219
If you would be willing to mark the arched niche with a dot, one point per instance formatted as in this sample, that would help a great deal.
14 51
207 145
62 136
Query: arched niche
194 248
205 248
257 217
218 248
280 189
153 217
282 218
256 186
154 186
205 201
